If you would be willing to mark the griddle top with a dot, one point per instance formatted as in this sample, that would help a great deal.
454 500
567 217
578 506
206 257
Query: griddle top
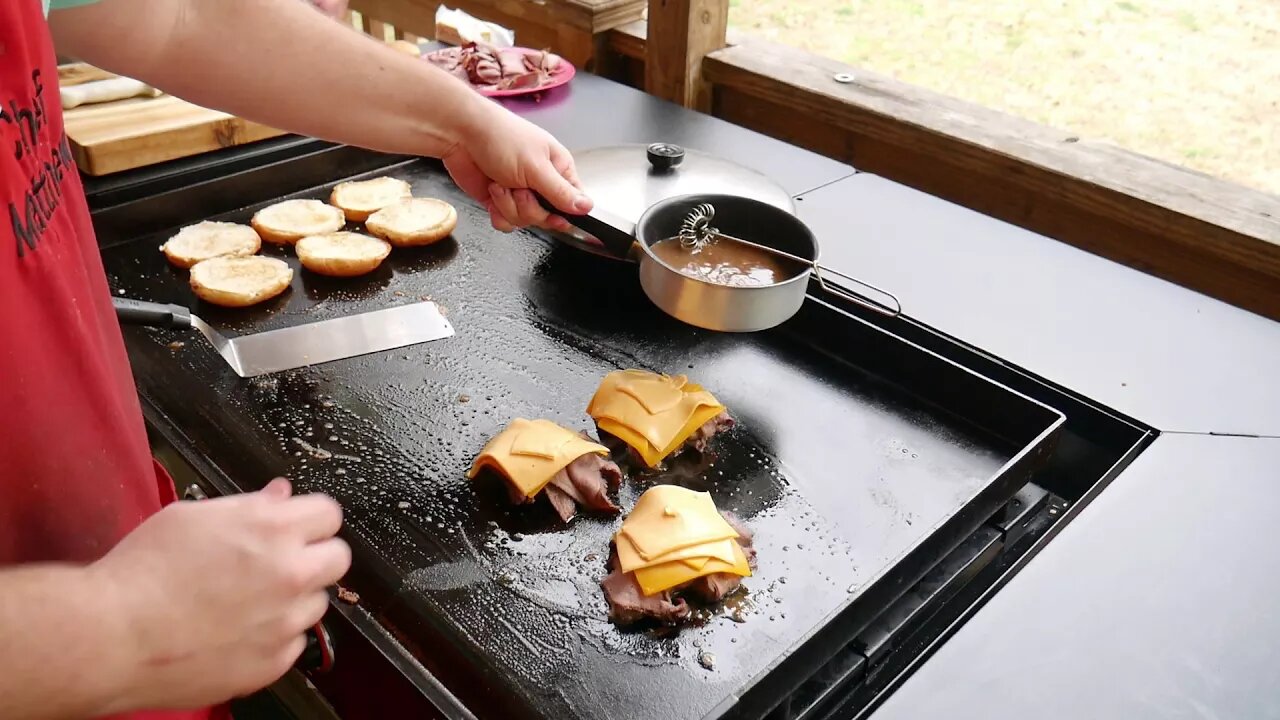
848 480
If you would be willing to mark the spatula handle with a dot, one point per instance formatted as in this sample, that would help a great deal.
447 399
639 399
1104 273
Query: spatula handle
140 312
607 229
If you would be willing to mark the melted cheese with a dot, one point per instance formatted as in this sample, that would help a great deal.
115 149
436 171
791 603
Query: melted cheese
659 578
655 414
530 452
695 556
667 518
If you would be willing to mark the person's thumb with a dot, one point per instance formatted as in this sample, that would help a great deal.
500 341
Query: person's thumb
278 489
553 186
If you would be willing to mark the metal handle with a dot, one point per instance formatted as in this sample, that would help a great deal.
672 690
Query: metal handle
140 312
846 293
856 297
603 226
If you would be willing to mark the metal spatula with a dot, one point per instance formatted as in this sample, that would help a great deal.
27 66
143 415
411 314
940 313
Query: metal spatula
301 345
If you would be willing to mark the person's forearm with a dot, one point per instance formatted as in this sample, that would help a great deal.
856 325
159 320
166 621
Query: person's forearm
281 63
66 650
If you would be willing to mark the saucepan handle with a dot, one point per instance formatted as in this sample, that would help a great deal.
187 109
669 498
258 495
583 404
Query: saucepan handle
892 309
601 225
140 312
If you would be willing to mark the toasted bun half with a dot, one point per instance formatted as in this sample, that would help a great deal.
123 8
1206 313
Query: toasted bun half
361 198
342 254
415 221
240 281
287 222
210 239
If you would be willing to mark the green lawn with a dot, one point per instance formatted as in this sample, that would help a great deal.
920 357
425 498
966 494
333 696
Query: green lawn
1192 82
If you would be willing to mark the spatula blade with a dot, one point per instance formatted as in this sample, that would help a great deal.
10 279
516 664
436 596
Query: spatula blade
337 339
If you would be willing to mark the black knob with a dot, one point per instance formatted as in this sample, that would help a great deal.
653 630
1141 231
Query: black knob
664 156
318 655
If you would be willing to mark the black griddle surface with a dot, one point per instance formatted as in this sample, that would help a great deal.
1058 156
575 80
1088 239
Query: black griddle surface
840 474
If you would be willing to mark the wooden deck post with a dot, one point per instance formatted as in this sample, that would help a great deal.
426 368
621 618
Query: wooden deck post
681 33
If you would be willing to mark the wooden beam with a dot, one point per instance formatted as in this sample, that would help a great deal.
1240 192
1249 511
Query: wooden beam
1204 233
683 32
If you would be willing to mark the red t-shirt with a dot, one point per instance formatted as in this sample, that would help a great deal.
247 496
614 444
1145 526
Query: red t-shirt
76 472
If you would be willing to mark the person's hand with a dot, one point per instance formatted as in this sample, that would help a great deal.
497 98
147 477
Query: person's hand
218 593
502 159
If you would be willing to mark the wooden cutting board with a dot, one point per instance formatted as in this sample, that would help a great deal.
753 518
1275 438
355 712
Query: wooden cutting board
126 134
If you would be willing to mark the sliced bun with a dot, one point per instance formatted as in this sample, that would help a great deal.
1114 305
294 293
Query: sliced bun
342 254
210 239
361 198
416 221
240 281
291 220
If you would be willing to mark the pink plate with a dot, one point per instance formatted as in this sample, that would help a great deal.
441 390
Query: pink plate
562 75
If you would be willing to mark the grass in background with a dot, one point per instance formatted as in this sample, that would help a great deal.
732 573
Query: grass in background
1192 82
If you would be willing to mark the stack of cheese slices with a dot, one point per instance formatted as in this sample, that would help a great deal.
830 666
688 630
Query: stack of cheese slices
653 414
674 536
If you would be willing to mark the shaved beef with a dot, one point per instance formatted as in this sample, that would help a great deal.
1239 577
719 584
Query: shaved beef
716 586
489 68
700 437
628 604
564 505
583 482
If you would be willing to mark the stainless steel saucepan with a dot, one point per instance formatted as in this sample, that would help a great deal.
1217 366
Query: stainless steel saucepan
714 306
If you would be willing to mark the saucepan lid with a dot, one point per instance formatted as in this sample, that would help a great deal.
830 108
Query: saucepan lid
626 180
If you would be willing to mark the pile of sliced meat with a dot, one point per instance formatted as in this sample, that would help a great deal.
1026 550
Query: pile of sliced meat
629 605
489 68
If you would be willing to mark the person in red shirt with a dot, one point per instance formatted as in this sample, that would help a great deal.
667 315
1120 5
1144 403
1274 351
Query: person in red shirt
116 601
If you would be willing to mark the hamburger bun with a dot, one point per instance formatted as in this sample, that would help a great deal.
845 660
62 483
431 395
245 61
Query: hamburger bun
415 221
361 198
342 254
210 239
240 281
284 223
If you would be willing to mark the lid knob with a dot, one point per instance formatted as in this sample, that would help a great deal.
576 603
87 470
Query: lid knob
664 156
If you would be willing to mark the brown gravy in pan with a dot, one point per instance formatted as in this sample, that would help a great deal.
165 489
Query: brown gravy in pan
725 262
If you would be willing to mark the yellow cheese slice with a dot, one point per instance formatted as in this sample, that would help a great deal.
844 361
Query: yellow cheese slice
696 555
530 452
655 414
668 518
658 578
696 563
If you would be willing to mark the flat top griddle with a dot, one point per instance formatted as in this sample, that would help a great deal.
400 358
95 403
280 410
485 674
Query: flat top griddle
858 460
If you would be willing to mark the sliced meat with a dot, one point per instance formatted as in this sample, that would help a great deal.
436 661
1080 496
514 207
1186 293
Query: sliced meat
700 437
629 605
584 482
715 587
512 62
563 504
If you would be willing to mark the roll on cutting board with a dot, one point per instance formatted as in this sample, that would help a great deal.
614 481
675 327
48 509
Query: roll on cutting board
101 91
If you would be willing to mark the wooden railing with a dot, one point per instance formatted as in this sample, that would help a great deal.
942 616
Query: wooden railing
1207 234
